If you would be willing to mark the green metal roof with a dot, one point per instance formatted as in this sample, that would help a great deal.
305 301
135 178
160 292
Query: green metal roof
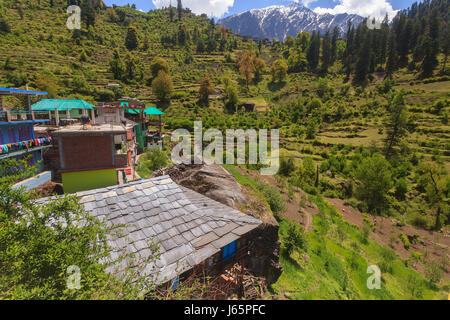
149 111
153 111
61 105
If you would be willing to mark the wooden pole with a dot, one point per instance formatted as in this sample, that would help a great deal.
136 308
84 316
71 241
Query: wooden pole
160 127
92 116
57 116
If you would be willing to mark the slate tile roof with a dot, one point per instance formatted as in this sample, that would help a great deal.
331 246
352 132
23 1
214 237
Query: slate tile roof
188 226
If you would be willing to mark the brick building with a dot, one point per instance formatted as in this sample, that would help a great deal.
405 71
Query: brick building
91 156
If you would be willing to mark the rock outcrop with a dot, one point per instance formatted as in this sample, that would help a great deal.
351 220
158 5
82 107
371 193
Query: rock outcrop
217 183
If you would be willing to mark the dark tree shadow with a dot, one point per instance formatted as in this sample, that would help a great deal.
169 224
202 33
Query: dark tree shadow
276 86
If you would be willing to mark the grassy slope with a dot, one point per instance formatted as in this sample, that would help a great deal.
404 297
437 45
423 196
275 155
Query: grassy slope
335 269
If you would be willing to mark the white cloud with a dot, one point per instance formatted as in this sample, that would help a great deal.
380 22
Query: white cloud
305 2
215 7
364 8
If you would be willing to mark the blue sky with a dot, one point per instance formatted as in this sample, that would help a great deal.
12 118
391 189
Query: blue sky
219 8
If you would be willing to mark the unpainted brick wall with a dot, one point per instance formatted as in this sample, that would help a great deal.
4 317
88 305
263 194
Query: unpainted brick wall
85 152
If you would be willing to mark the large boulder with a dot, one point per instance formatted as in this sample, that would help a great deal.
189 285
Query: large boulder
217 183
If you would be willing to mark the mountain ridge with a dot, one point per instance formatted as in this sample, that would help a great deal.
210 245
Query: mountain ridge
280 21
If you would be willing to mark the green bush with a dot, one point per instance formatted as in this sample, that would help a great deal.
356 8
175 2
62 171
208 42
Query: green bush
433 272
287 166
152 160
405 240
388 257
418 220
4 26
294 238
272 196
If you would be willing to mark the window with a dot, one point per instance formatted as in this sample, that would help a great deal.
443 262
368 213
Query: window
175 282
229 250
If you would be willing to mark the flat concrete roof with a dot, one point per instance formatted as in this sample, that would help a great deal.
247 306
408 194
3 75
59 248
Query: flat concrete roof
90 130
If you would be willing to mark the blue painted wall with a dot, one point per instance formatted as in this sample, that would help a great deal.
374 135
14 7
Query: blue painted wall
17 132
11 132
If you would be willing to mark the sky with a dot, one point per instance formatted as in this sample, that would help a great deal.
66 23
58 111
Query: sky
223 8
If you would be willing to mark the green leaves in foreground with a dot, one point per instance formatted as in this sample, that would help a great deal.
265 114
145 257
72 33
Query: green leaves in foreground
38 242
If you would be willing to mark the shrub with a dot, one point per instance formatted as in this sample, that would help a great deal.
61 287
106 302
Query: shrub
294 238
365 233
272 195
405 240
287 166
388 257
4 26
152 160
418 220
105 95
433 272
400 189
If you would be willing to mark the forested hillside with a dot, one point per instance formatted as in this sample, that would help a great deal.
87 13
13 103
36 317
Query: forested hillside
37 48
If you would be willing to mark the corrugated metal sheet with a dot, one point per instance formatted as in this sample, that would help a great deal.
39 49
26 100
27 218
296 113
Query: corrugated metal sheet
61 105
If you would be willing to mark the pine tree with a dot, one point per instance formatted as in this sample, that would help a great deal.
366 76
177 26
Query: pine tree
348 49
383 41
182 35
116 66
334 40
405 43
180 10
431 45
130 67
171 13
364 56
391 64
131 40
312 55
445 49
326 52
88 13
396 123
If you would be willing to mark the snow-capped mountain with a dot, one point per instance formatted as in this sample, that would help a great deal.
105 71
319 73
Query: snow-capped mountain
281 21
